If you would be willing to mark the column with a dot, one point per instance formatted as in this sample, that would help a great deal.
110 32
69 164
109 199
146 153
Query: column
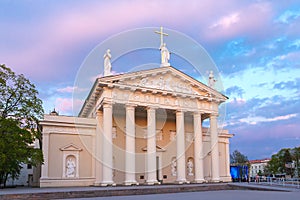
107 146
180 145
130 146
198 148
227 159
214 148
44 174
151 146
99 131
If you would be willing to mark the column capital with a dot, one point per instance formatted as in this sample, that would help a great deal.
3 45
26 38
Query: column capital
130 105
213 114
107 104
151 108
195 113
180 112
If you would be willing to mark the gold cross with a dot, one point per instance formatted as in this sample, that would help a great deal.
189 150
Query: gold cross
161 35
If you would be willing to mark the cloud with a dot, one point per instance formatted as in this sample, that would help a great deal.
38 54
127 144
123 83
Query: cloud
295 43
288 16
227 21
287 85
259 119
238 22
66 105
259 81
235 91
71 89
68 89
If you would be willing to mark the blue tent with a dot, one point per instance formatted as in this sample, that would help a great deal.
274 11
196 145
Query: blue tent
239 173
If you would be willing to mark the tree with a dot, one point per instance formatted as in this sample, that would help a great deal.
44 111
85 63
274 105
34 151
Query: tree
20 111
237 158
281 162
296 157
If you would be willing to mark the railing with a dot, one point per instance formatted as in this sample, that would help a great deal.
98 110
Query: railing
285 182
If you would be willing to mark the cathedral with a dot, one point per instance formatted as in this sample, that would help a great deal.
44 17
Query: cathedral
139 128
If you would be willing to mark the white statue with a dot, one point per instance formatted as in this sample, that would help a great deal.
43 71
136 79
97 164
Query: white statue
211 79
174 167
107 63
190 167
70 168
165 55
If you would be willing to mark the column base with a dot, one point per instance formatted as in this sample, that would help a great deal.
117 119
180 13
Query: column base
107 183
152 182
182 181
226 179
131 182
215 180
199 181
97 183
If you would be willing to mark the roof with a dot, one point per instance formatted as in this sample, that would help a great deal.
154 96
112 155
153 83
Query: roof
259 161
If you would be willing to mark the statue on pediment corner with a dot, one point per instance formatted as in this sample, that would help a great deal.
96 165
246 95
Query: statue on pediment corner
107 63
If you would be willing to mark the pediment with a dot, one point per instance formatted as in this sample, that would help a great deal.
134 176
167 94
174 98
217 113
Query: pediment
70 147
165 80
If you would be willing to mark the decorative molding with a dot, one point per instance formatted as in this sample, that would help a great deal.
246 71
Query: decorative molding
70 147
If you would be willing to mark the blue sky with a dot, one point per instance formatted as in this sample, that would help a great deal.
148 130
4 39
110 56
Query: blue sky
255 45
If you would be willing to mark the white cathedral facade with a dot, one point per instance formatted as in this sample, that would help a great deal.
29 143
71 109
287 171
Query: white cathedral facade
141 127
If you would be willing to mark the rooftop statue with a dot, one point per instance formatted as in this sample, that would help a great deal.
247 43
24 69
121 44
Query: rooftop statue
107 63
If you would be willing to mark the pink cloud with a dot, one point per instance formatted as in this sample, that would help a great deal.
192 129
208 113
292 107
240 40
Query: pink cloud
58 35
65 105
250 20
237 101
71 89
67 89
227 21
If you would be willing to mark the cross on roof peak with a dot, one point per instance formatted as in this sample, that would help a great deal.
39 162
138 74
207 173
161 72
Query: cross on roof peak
162 34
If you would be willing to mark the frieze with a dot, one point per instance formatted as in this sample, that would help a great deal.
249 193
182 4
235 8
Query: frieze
124 97
168 83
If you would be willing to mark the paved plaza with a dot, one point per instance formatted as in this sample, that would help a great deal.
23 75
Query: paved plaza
211 195
243 191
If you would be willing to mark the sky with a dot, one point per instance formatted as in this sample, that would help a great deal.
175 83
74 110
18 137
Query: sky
254 44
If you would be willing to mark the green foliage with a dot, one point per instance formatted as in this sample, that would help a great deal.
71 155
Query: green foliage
20 111
237 158
284 162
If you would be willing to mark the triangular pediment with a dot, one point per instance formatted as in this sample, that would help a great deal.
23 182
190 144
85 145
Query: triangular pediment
70 147
163 79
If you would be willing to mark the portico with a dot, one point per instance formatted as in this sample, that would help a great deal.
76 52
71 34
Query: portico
116 101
